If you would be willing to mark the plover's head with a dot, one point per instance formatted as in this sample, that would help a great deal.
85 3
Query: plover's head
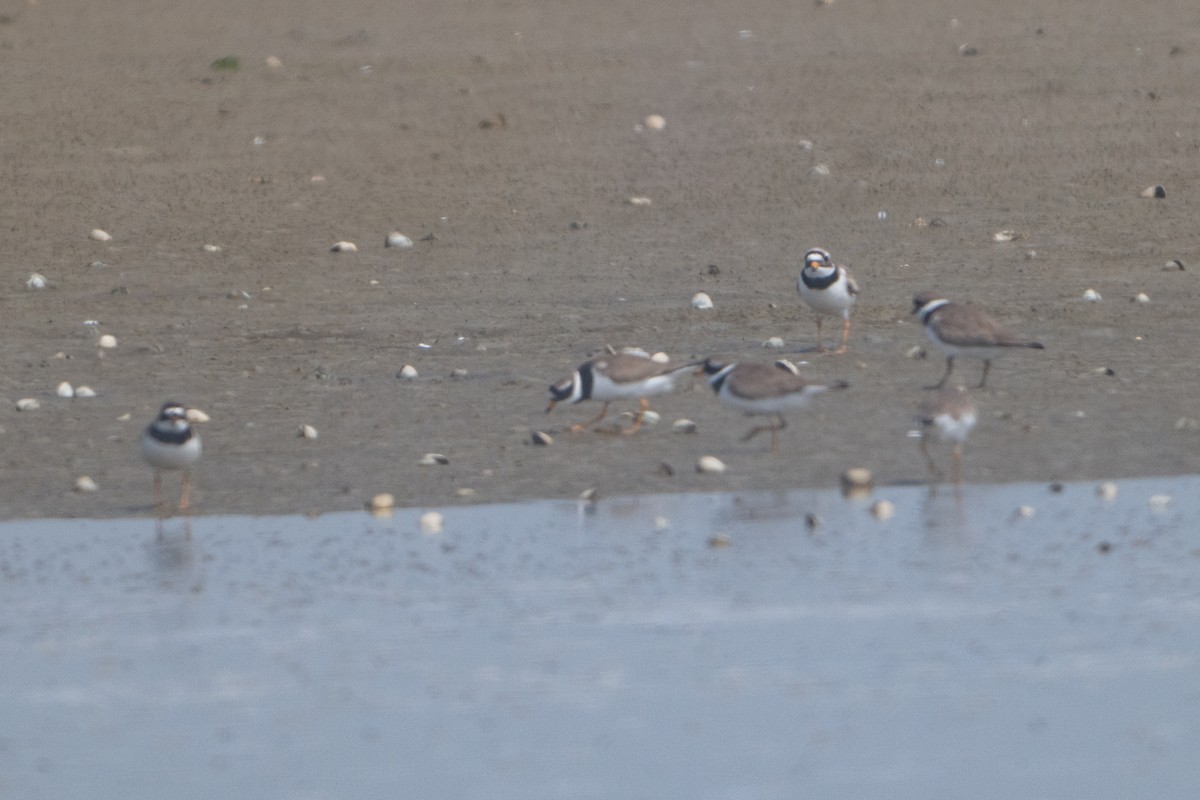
923 299
565 391
172 412
817 258
712 365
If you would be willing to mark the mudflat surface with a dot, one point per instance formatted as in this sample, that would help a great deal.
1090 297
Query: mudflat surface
504 139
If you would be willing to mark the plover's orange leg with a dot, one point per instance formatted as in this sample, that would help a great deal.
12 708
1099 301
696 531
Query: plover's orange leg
638 417
933 468
845 336
820 346
159 504
773 428
185 494
583 426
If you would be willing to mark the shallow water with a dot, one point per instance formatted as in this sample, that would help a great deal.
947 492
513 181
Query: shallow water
563 649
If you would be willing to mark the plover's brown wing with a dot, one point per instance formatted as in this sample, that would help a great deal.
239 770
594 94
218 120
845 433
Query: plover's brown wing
851 284
627 367
964 325
760 382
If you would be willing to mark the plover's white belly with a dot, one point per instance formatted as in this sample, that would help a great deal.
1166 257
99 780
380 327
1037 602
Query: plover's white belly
954 430
604 388
834 299
767 405
161 455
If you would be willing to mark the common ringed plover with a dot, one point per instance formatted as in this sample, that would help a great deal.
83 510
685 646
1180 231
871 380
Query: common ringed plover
763 389
621 376
828 289
950 415
171 443
964 329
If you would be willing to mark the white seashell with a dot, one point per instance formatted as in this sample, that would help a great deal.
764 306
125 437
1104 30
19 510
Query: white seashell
857 478
308 432
384 501
344 247
107 341
84 484
660 358
819 170
1156 190
1025 512
701 301
396 239
661 523
788 366
65 390
683 426
99 235
710 464
1173 265
589 495
126 417
656 122
28 404
433 459
883 509
195 415
273 62
805 145
36 281
916 351
211 248
407 372
1107 491
639 201
84 391
1160 501
1141 297
1092 296
774 341
541 438
1004 236
464 491
430 522
651 417
882 215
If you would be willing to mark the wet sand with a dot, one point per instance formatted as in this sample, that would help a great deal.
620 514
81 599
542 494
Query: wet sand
504 140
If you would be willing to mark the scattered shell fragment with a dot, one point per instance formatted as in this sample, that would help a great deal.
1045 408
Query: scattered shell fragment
196 416
774 342
710 464
1174 265
1141 297
28 404
1025 512
99 235
1159 501
85 391
1092 296
819 170
107 341
541 438
655 122
65 390
701 301
273 62
660 358
1005 236
639 201
344 247
433 459
383 502
915 352
661 523
211 248
968 50
397 239
408 372
1156 191
683 426
589 495
883 509
308 432
857 481
36 281
85 485
1107 491
464 491
650 417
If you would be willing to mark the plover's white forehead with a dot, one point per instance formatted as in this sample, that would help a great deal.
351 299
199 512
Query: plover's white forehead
816 254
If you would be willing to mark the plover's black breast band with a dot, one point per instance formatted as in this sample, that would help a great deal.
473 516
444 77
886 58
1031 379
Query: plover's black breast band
819 283
171 436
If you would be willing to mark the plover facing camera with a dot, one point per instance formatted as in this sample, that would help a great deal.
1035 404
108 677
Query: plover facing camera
829 290
762 389
950 415
171 443
960 329
622 376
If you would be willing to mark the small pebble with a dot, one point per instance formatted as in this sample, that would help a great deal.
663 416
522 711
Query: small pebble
211 248
431 522
968 50
28 404
541 438
107 341
656 122
883 509
397 239
773 342
812 521
99 235
383 501
819 170
458 372
65 390
701 301
84 391
196 416
408 372
344 247
1107 491
308 432
1141 297
1092 296
36 281
1155 191
433 459
710 465
683 426
85 485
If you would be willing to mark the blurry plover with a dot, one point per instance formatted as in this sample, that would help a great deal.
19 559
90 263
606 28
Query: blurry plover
171 443
950 415
763 389
966 330
828 289
622 376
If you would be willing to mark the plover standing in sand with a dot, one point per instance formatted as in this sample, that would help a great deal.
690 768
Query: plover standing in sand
828 289
171 443
966 330
763 389
950 415
621 376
